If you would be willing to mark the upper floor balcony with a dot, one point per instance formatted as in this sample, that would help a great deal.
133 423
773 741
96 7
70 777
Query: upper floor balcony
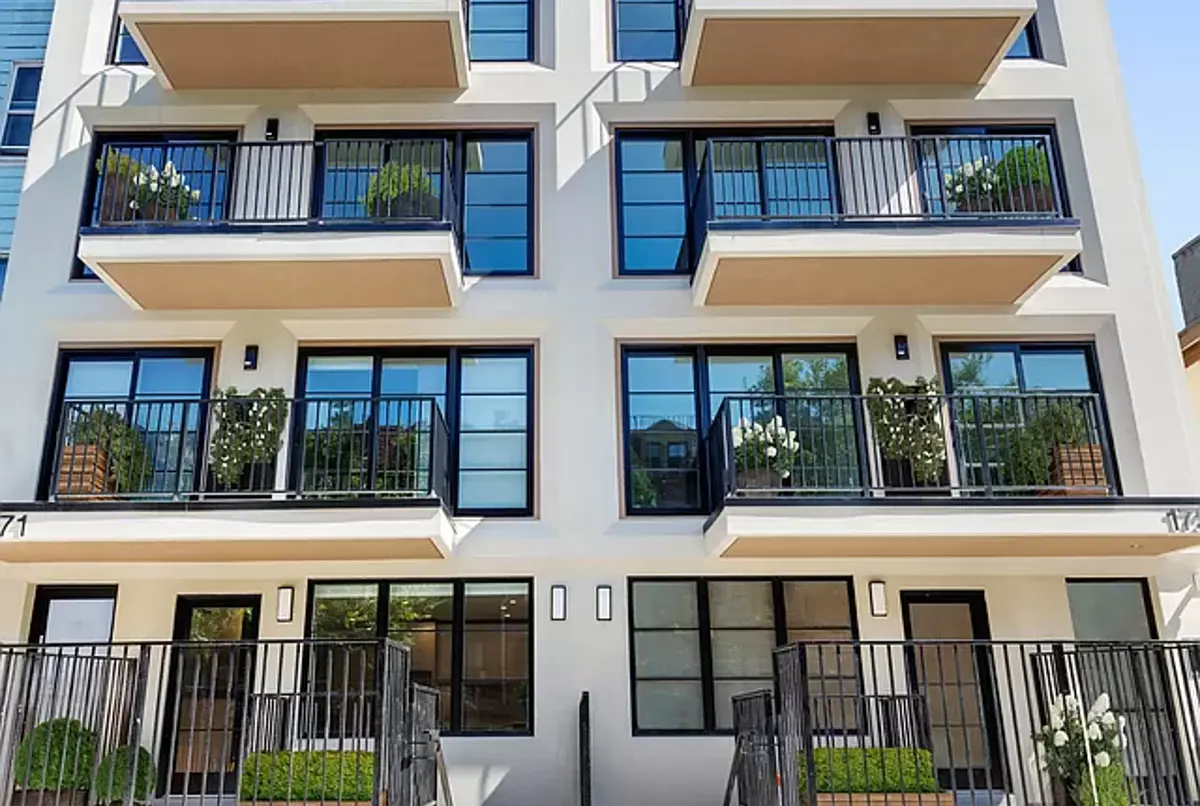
837 42
916 220
302 44
237 225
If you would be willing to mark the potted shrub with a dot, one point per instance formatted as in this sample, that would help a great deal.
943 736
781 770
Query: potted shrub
1055 449
346 778
763 454
1018 182
854 775
906 421
1083 753
112 782
401 191
133 191
247 435
53 764
103 455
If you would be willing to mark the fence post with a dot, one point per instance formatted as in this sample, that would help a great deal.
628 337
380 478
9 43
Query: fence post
135 724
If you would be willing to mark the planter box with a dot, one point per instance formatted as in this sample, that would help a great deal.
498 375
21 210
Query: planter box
314 802
50 797
890 799
759 481
83 471
1078 466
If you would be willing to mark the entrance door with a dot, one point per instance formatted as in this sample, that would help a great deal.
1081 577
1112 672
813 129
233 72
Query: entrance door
209 684
956 685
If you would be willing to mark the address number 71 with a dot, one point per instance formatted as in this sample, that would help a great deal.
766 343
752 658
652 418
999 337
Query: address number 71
13 526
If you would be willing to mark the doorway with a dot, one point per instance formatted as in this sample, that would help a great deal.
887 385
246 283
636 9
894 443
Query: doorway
73 614
956 686
207 692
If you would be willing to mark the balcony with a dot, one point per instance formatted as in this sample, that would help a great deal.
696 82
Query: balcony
879 221
245 479
969 721
1035 470
302 44
840 42
283 226
214 720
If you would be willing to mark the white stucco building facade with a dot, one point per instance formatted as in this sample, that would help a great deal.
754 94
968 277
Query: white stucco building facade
561 508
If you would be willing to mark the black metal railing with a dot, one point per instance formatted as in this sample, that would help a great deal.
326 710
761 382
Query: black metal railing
309 721
585 749
843 445
393 183
987 722
319 447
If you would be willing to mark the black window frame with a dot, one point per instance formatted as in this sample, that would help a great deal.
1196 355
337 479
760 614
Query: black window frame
134 354
530 35
1035 42
100 140
690 138
458 636
699 353
704 629
453 356
679 32
118 32
4 260
43 595
1152 614
459 139
14 69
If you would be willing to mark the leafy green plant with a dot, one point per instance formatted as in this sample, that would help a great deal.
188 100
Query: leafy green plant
112 778
906 419
1020 170
1031 455
400 190
1019 181
876 769
58 755
308 776
129 466
248 430
135 190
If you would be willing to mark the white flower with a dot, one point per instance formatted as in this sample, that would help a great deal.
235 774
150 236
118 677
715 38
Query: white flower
1056 720
1060 738
133 205
196 194
176 180
1070 703
139 179
1101 705
169 168
1102 759
1094 733
153 172
154 186
1108 720
772 451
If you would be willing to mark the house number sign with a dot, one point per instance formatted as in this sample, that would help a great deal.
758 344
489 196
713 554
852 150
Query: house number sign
13 526
1183 521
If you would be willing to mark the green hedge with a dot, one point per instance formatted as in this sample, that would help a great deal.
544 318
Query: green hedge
58 755
876 769
112 779
308 776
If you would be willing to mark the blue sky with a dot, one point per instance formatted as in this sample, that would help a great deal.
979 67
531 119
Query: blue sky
1160 59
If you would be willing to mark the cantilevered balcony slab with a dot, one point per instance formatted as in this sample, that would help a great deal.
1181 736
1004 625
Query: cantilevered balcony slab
301 44
986 266
172 271
841 42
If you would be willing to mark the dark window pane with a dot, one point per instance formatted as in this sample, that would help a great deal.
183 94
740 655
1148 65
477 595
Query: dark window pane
817 604
1056 371
496 656
3 273
26 81
646 30
663 435
497 207
338 376
494 432
345 611
18 129
652 204
127 50
652 187
651 255
983 370
1026 45
499 30
654 219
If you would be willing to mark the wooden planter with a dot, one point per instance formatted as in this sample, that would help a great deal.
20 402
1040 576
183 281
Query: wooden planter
1080 468
1036 198
83 471
890 799
314 802
759 481
50 797
114 204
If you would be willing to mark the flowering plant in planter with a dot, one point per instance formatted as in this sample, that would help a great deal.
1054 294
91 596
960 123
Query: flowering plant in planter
1017 182
907 422
765 448
248 430
161 194
1083 751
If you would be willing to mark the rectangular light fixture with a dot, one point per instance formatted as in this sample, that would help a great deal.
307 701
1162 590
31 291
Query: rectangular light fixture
558 602
877 593
604 603
285 604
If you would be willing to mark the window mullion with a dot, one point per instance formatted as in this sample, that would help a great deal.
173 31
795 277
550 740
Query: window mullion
458 656
707 685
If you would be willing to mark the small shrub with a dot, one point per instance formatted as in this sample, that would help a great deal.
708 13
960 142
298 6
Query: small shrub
57 755
400 190
875 769
112 779
308 776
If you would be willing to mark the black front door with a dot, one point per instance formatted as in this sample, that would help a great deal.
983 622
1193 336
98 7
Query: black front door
210 680
955 682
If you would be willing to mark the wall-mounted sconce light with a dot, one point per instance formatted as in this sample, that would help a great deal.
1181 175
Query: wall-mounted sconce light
285 604
604 603
250 358
272 132
877 593
902 351
558 602
874 126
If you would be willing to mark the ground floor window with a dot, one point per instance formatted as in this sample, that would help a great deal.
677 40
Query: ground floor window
470 639
695 643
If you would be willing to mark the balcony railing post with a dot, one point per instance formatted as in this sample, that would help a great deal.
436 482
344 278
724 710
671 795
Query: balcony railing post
1047 145
940 178
1096 405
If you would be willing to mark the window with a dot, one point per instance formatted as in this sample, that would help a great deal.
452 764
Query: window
647 30
484 394
470 639
500 30
125 48
652 188
25 79
1111 610
696 643
1028 44
151 391
3 273
672 395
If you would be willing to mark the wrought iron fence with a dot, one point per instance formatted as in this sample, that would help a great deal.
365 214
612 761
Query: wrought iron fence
179 449
843 445
252 721
399 183
984 722
585 749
